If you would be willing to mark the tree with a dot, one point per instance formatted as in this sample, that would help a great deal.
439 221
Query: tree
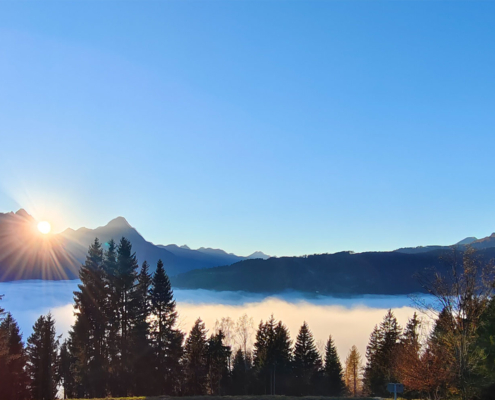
66 369
195 357
381 354
42 352
218 356
307 362
333 374
461 293
244 329
240 374
142 359
14 380
352 372
125 278
273 357
89 332
166 341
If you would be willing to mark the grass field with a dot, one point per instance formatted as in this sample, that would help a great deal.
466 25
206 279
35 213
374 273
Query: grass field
235 398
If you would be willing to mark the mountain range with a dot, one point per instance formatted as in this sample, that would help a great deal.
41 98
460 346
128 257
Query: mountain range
27 254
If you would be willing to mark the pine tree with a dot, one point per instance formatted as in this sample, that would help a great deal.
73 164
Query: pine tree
112 315
42 351
195 357
352 372
272 357
218 356
141 345
89 331
125 278
165 339
381 354
14 380
66 370
333 374
307 362
240 374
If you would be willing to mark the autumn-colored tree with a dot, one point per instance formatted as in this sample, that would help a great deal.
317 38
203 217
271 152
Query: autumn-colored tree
352 374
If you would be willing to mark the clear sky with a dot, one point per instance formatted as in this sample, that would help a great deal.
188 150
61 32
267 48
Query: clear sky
291 127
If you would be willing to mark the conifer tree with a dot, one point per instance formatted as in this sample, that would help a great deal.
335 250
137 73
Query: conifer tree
112 317
42 353
381 354
272 357
14 380
125 278
141 345
307 362
89 332
165 338
195 357
333 374
218 356
66 369
239 377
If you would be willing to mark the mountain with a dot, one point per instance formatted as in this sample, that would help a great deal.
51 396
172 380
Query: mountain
258 254
27 254
343 273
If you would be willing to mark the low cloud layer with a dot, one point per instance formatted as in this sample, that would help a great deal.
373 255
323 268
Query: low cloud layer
349 320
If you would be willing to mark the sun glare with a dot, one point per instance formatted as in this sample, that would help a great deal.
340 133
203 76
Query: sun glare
44 227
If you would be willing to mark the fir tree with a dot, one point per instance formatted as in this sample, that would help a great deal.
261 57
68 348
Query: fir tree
141 346
14 381
333 374
381 354
195 357
307 362
89 331
218 356
42 350
239 376
125 278
66 370
165 338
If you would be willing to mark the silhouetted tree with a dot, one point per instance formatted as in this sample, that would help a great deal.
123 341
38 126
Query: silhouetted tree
272 357
307 362
141 344
42 353
166 341
66 369
381 353
334 384
195 357
240 374
218 356
89 331
14 380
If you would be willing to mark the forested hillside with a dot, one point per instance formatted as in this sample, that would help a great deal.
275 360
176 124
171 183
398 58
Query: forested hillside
339 273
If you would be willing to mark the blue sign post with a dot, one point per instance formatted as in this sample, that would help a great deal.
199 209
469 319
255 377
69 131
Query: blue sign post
395 388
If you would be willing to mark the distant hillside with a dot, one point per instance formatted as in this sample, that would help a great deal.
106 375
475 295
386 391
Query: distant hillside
341 273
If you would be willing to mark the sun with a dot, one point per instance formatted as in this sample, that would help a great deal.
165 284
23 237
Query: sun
44 227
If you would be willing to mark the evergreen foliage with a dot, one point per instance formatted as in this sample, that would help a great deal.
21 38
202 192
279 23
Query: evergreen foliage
42 353
195 357
307 362
333 373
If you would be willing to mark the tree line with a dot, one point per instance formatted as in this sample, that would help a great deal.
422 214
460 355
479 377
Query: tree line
126 342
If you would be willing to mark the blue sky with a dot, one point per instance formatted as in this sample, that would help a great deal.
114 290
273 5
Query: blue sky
291 127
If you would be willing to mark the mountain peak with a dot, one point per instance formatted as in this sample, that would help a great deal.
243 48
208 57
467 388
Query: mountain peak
258 254
119 222
22 213
467 240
